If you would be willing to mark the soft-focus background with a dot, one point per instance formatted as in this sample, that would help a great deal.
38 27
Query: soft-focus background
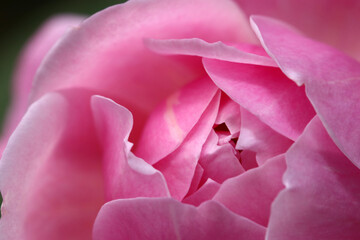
20 19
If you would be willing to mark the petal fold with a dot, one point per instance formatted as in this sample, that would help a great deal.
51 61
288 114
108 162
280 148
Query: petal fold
265 92
252 193
217 50
179 167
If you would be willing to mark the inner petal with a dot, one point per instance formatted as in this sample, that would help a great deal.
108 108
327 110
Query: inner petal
173 119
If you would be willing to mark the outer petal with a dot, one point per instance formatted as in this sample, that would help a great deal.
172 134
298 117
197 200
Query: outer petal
52 191
165 218
322 195
252 193
173 119
331 21
331 79
265 92
106 53
30 60
179 167
125 175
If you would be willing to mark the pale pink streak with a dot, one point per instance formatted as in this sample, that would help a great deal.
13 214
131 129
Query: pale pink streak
173 119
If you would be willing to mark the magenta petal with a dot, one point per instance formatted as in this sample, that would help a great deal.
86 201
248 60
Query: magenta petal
265 92
50 172
173 119
29 62
126 175
331 79
252 193
165 218
331 21
179 167
322 195
217 50
259 138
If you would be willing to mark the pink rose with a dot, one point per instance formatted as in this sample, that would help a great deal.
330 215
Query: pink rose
169 119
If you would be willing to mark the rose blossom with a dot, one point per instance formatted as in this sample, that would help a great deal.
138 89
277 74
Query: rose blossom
184 120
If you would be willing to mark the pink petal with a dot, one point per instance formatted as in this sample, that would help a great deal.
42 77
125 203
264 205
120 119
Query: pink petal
173 119
259 138
216 50
50 173
178 168
219 162
251 194
322 195
165 218
265 92
331 79
106 52
126 175
331 21
30 59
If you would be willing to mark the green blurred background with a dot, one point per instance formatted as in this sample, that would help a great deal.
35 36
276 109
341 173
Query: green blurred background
20 19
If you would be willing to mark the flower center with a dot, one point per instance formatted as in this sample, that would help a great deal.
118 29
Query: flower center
224 135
